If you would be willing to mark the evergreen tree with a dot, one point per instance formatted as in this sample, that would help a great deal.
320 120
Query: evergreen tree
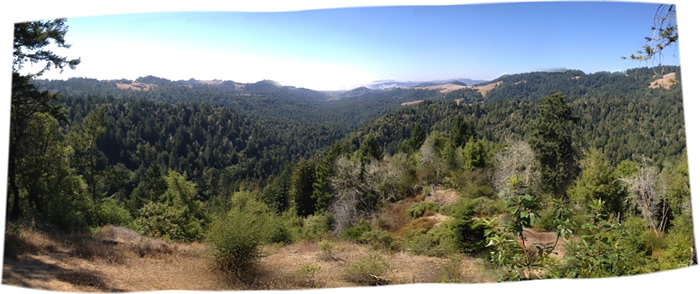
551 139
30 40
370 149
302 187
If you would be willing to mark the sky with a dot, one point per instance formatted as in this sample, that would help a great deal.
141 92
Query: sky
342 48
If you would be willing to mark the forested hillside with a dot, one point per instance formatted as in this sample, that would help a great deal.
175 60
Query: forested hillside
541 175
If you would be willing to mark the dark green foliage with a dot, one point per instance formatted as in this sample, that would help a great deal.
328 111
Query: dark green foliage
379 239
148 190
176 215
550 136
597 181
355 233
110 212
469 232
476 154
600 252
423 209
301 188
439 241
370 150
415 141
461 131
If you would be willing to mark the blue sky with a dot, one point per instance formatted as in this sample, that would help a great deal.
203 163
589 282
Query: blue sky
343 48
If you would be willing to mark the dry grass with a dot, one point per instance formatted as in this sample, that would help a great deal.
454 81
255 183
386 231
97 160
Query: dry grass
485 89
665 82
136 86
444 88
84 263
394 216
411 103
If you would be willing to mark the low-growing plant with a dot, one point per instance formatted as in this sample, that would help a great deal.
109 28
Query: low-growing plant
354 233
316 227
451 271
369 270
379 239
305 276
423 208
439 241
327 250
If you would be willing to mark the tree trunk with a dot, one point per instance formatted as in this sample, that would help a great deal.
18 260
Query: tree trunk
15 213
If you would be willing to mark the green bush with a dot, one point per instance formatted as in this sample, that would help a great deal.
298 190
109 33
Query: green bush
235 237
109 212
160 220
354 233
679 243
439 241
327 250
369 270
316 227
281 233
422 208
379 239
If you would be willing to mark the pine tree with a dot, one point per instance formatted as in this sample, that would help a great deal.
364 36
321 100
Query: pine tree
551 139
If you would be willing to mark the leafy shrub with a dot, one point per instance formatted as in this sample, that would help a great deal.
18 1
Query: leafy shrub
281 232
327 250
316 227
355 233
379 239
160 220
424 224
368 270
235 236
306 276
439 241
423 208
109 212
679 243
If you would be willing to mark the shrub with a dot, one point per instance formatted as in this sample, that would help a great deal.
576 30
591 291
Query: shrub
109 212
439 241
160 220
379 239
326 249
355 233
306 276
679 243
368 270
468 233
423 208
281 232
316 227
235 236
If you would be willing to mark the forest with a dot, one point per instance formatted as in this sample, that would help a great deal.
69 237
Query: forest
596 162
